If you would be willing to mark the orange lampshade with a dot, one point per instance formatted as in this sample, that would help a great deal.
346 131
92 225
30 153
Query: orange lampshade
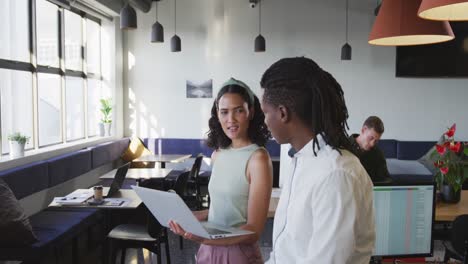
398 24
452 10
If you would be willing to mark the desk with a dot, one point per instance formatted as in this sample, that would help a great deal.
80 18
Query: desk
443 211
171 158
130 195
138 174
448 212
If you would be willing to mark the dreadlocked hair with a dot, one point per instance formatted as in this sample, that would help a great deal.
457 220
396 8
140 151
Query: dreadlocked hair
313 95
257 132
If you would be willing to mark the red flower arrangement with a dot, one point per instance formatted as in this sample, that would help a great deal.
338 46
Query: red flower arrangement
448 157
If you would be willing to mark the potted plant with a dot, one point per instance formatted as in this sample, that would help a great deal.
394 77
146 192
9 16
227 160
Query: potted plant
106 121
17 142
449 161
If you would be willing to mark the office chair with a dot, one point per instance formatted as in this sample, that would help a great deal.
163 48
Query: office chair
149 236
193 184
458 246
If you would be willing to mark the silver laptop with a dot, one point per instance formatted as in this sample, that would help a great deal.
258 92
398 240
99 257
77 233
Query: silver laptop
167 206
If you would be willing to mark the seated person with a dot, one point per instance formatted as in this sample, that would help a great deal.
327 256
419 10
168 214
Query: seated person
365 147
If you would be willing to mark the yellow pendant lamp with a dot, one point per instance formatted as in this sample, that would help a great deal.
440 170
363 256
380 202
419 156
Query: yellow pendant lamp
398 24
451 10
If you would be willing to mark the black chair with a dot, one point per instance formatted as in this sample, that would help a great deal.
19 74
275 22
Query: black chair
180 187
193 185
149 236
459 240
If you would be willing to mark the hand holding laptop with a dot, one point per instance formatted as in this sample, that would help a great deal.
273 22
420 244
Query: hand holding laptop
178 230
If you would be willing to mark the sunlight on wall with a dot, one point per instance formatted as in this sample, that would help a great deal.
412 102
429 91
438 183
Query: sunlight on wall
141 122
131 61
204 120
131 112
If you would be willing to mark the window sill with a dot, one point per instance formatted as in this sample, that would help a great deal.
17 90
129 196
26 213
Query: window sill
49 152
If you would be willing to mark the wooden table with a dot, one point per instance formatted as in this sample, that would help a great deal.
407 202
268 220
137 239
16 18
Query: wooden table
163 158
138 174
443 211
448 212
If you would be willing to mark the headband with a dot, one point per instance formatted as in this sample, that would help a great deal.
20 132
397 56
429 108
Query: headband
233 81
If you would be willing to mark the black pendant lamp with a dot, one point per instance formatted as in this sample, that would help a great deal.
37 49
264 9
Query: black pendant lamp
157 31
176 45
260 40
128 17
346 49
377 8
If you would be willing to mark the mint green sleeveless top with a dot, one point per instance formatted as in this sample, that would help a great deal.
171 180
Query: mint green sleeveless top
228 186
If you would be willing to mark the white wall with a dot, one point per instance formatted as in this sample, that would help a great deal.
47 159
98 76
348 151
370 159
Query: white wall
217 42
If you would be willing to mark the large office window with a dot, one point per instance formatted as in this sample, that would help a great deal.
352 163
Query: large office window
94 94
47 21
74 102
14 37
73 41
16 105
49 95
93 38
50 73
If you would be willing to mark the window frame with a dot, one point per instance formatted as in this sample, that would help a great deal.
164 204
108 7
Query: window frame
34 68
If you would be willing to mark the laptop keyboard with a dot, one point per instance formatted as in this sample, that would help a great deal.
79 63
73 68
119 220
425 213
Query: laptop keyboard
214 231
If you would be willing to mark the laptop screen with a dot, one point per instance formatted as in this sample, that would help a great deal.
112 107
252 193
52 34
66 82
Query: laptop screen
118 180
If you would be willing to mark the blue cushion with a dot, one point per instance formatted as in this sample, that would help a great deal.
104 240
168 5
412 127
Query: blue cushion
408 171
388 147
178 146
69 166
108 152
413 150
34 174
273 148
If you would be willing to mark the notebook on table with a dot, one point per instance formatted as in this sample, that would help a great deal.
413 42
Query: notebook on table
167 206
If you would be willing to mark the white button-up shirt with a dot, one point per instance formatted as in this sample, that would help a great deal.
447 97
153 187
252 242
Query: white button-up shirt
325 213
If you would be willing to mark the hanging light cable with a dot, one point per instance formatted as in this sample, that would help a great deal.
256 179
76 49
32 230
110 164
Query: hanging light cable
346 49
157 31
176 44
260 40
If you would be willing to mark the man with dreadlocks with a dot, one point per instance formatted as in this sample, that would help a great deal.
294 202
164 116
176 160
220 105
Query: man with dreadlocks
325 212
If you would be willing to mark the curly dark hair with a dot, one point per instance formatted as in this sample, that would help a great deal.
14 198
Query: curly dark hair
313 94
257 132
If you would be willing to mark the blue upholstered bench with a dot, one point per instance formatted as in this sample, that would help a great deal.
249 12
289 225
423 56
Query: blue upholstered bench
402 159
53 227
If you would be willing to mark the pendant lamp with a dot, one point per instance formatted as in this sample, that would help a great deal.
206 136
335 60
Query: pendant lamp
176 44
346 49
157 31
259 40
398 25
451 10
128 17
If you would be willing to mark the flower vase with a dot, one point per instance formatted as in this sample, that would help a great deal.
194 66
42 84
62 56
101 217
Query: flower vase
16 149
107 129
449 195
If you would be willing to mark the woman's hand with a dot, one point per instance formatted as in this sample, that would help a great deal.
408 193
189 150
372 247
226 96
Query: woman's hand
178 230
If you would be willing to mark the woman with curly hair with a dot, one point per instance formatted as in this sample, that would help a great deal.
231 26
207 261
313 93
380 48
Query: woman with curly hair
241 179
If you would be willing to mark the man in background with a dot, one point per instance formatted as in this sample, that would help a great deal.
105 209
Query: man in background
370 155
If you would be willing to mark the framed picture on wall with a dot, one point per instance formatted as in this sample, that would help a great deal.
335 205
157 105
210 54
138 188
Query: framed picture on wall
200 90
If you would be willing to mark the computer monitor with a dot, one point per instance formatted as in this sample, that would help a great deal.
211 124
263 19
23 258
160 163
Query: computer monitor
404 218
